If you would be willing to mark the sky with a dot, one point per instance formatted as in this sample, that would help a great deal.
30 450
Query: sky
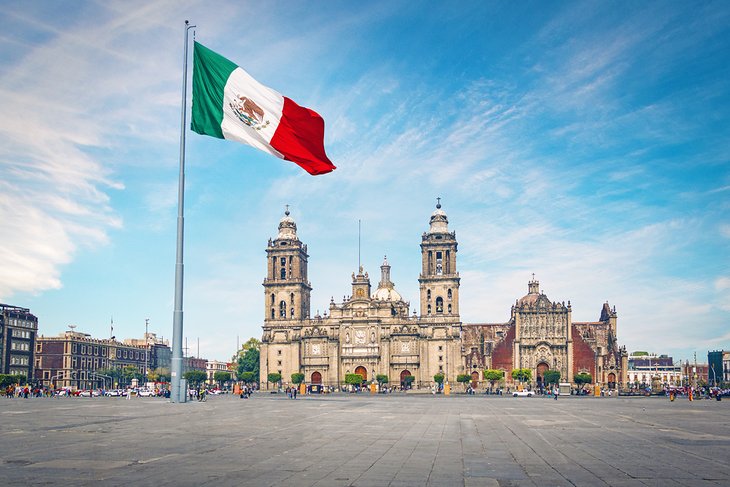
585 142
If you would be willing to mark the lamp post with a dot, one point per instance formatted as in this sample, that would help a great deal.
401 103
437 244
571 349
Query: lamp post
146 348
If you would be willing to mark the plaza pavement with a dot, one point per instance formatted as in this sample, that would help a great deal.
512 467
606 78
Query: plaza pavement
364 440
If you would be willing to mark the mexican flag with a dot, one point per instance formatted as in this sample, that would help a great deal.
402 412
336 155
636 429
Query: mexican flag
229 104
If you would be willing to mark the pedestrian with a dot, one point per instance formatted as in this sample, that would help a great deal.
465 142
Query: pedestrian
555 393
294 392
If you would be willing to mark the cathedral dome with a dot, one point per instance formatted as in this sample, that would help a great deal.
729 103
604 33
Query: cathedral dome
386 289
287 227
439 221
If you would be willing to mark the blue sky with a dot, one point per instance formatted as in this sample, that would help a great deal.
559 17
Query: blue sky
586 142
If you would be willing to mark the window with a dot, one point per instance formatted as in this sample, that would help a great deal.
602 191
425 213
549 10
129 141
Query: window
292 313
290 272
448 294
282 270
439 304
273 313
429 309
441 368
278 362
291 298
428 295
440 348
278 352
441 358
449 308
282 309
439 263
273 299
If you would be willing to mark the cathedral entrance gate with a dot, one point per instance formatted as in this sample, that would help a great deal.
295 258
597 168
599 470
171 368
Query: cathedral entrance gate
542 367
474 379
612 381
316 378
403 376
363 372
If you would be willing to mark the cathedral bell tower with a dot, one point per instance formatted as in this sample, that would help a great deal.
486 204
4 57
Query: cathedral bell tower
439 281
286 288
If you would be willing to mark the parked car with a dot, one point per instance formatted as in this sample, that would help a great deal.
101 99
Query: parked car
522 394
145 393
114 393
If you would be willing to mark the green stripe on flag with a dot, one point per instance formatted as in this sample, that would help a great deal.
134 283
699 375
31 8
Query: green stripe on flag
210 74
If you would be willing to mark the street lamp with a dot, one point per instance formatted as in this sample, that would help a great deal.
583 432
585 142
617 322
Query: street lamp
146 347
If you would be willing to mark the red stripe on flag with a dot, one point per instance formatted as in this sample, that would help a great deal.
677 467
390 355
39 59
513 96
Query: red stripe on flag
300 138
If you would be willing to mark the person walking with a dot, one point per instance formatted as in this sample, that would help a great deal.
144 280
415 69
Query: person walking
556 391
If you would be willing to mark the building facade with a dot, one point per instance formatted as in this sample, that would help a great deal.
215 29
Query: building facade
644 369
371 332
75 360
18 330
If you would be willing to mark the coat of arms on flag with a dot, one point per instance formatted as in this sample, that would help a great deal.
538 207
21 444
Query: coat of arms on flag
248 112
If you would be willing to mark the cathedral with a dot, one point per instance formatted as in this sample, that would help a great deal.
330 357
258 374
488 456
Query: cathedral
372 333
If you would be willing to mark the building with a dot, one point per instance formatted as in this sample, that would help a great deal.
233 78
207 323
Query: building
645 368
213 366
372 333
726 367
695 374
18 330
76 360
160 354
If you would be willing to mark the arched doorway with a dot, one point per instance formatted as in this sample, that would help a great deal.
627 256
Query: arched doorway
542 367
612 381
363 372
316 378
403 383
474 379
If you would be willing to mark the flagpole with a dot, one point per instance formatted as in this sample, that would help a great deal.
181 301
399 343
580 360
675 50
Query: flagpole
178 394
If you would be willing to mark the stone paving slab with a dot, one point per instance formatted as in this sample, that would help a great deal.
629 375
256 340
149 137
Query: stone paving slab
364 440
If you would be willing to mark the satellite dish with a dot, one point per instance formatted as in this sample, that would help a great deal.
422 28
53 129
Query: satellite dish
72 327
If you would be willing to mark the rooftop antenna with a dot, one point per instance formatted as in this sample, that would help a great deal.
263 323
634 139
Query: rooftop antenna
73 327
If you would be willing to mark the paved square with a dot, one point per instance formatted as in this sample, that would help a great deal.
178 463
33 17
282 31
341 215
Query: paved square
364 440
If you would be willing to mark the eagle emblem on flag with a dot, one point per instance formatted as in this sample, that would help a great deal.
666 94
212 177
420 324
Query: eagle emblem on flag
248 112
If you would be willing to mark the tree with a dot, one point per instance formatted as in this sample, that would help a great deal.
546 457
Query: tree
248 358
408 380
248 377
160 374
583 378
493 375
551 377
195 377
522 375
382 379
12 379
463 378
439 378
353 379
221 377
274 377
129 373
297 378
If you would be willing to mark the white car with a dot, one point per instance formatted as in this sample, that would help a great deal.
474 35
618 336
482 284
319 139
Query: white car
522 394
145 393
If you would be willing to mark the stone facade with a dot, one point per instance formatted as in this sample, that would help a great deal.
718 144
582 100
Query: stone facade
372 333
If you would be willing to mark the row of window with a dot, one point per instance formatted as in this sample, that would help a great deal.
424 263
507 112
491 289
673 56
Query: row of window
439 306
21 333
18 360
22 323
20 346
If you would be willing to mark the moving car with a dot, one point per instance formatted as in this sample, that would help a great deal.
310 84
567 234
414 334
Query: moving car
522 394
